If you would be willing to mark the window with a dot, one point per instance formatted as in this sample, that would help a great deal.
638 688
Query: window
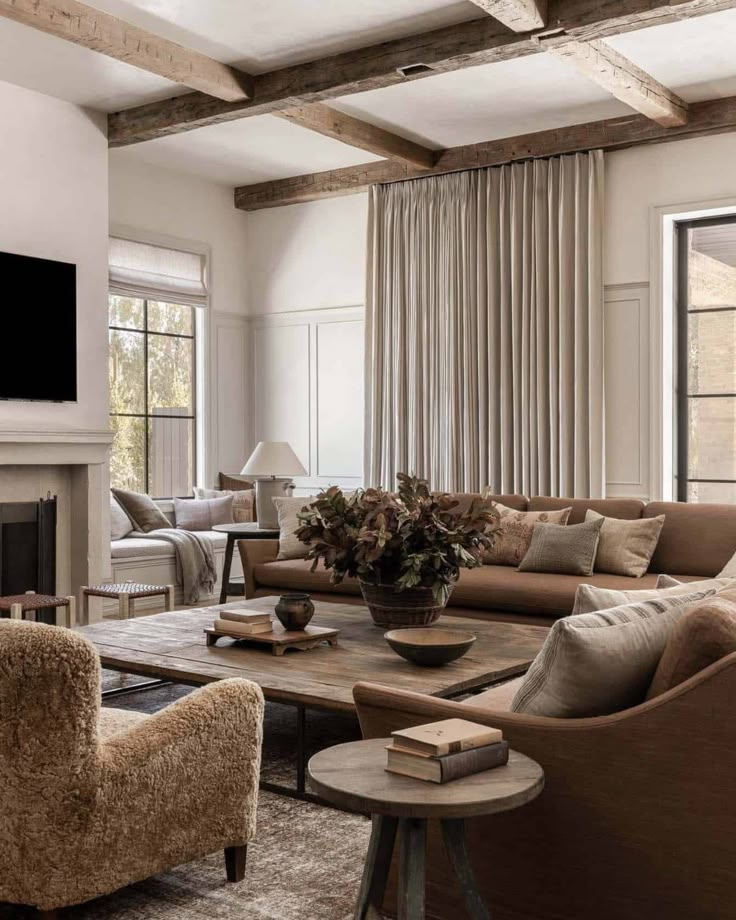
706 365
152 396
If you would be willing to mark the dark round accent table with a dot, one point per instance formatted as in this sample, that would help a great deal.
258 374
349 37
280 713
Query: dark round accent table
354 777
236 532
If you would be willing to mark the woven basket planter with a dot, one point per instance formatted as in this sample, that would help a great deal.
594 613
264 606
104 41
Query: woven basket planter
394 609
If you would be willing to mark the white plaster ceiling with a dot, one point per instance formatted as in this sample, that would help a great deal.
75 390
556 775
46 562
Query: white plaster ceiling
694 57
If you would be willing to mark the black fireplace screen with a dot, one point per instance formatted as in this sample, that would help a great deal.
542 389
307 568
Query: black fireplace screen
28 549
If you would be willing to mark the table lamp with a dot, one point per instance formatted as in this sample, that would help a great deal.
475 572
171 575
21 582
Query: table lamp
276 462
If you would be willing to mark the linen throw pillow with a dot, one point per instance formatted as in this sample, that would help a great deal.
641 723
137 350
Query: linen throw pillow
626 547
515 534
120 523
192 514
244 502
589 598
290 547
594 664
563 549
142 510
703 635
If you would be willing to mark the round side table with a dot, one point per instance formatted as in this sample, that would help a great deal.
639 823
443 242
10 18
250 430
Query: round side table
354 777
249 531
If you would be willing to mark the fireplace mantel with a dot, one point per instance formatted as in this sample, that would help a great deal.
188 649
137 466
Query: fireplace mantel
54 447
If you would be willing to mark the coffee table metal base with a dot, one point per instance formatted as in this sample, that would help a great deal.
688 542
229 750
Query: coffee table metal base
412 837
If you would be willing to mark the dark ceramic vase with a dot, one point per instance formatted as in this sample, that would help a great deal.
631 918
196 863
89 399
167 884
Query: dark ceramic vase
294 610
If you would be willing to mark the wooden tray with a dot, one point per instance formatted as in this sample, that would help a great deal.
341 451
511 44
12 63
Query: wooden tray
279 639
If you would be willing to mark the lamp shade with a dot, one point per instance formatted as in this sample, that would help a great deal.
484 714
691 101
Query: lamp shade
273 458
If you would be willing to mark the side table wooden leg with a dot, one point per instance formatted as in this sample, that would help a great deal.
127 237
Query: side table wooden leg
170 597
226 568
412 857
377 865
453 834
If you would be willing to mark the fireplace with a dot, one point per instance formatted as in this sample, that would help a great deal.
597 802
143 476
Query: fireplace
28 549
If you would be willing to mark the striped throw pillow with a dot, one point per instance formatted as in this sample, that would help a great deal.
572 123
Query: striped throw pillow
597 663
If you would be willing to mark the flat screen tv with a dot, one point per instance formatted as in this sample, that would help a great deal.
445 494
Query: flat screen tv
38 358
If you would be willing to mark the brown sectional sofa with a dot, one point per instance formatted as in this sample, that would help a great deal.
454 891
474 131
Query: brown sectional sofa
696 542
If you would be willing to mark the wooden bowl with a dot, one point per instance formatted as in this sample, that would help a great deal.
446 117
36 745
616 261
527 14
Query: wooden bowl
429 646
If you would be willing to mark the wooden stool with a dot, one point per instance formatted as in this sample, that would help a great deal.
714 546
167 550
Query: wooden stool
20 604
126 595
353 776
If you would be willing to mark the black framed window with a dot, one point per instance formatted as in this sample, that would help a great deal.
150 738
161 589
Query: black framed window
152 396
706 360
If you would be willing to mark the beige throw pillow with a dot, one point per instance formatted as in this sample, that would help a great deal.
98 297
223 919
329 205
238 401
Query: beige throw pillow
243 502
192 514
120 523
142 510
598 663
626 547
290 547
515 534
589 598
563 549
729 569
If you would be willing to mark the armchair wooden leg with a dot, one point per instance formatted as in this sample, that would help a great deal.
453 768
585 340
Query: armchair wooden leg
235 863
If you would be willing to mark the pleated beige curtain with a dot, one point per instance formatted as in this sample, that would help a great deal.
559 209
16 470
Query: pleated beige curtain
484 347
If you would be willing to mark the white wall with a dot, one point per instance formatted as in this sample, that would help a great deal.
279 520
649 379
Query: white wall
53 205
169 205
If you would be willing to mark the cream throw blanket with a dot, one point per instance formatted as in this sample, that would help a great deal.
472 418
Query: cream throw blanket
195 560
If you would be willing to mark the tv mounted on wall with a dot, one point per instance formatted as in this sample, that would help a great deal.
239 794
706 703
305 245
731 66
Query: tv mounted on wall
38 359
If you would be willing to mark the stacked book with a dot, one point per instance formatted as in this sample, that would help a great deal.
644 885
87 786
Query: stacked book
244 622
442 751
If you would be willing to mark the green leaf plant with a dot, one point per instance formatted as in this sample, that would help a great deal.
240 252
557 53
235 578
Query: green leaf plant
408 539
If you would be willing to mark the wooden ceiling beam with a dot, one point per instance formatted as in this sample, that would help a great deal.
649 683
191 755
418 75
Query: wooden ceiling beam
83 25
325 120
715 116
468 44
518 15
623 79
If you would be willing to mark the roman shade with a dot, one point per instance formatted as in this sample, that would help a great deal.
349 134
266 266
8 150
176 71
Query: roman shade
157 272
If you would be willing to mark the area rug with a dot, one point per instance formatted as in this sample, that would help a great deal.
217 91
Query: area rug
305 863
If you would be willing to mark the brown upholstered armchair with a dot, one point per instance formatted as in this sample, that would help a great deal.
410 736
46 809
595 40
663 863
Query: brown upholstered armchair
92 800
636 820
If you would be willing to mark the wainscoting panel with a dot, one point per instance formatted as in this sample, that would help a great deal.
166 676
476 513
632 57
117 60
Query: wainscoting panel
227 441
308 390
626 337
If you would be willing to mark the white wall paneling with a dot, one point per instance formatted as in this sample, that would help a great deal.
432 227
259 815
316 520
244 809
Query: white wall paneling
626 338
308 390
229 423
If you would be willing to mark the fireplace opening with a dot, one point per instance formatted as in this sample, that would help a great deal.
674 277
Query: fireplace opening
28 550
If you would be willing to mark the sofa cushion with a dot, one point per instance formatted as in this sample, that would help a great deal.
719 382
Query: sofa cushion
203 514
704 635
296 575
142 547
488 587
625 547
498 698
288 509
142 510
563 550
627 508
514 536
695 539
594 664
120 524
244 501
589 598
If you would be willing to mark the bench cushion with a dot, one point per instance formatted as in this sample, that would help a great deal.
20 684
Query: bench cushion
146 549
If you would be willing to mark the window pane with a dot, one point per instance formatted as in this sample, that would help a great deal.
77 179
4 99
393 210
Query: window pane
712 492
170 376
711 355
712 438
171 318
127 457
127 372
126 311
712 267
171 457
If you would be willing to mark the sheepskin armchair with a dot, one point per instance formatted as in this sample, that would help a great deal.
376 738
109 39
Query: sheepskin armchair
93 800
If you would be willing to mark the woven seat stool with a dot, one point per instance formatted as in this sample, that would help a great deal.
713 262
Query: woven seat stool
126 594
18 605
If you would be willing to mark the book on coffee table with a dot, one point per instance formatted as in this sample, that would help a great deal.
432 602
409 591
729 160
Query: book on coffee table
449 736
236 628
246 616
448 767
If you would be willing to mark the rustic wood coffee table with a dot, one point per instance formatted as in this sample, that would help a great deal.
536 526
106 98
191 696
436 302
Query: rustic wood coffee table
172 647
